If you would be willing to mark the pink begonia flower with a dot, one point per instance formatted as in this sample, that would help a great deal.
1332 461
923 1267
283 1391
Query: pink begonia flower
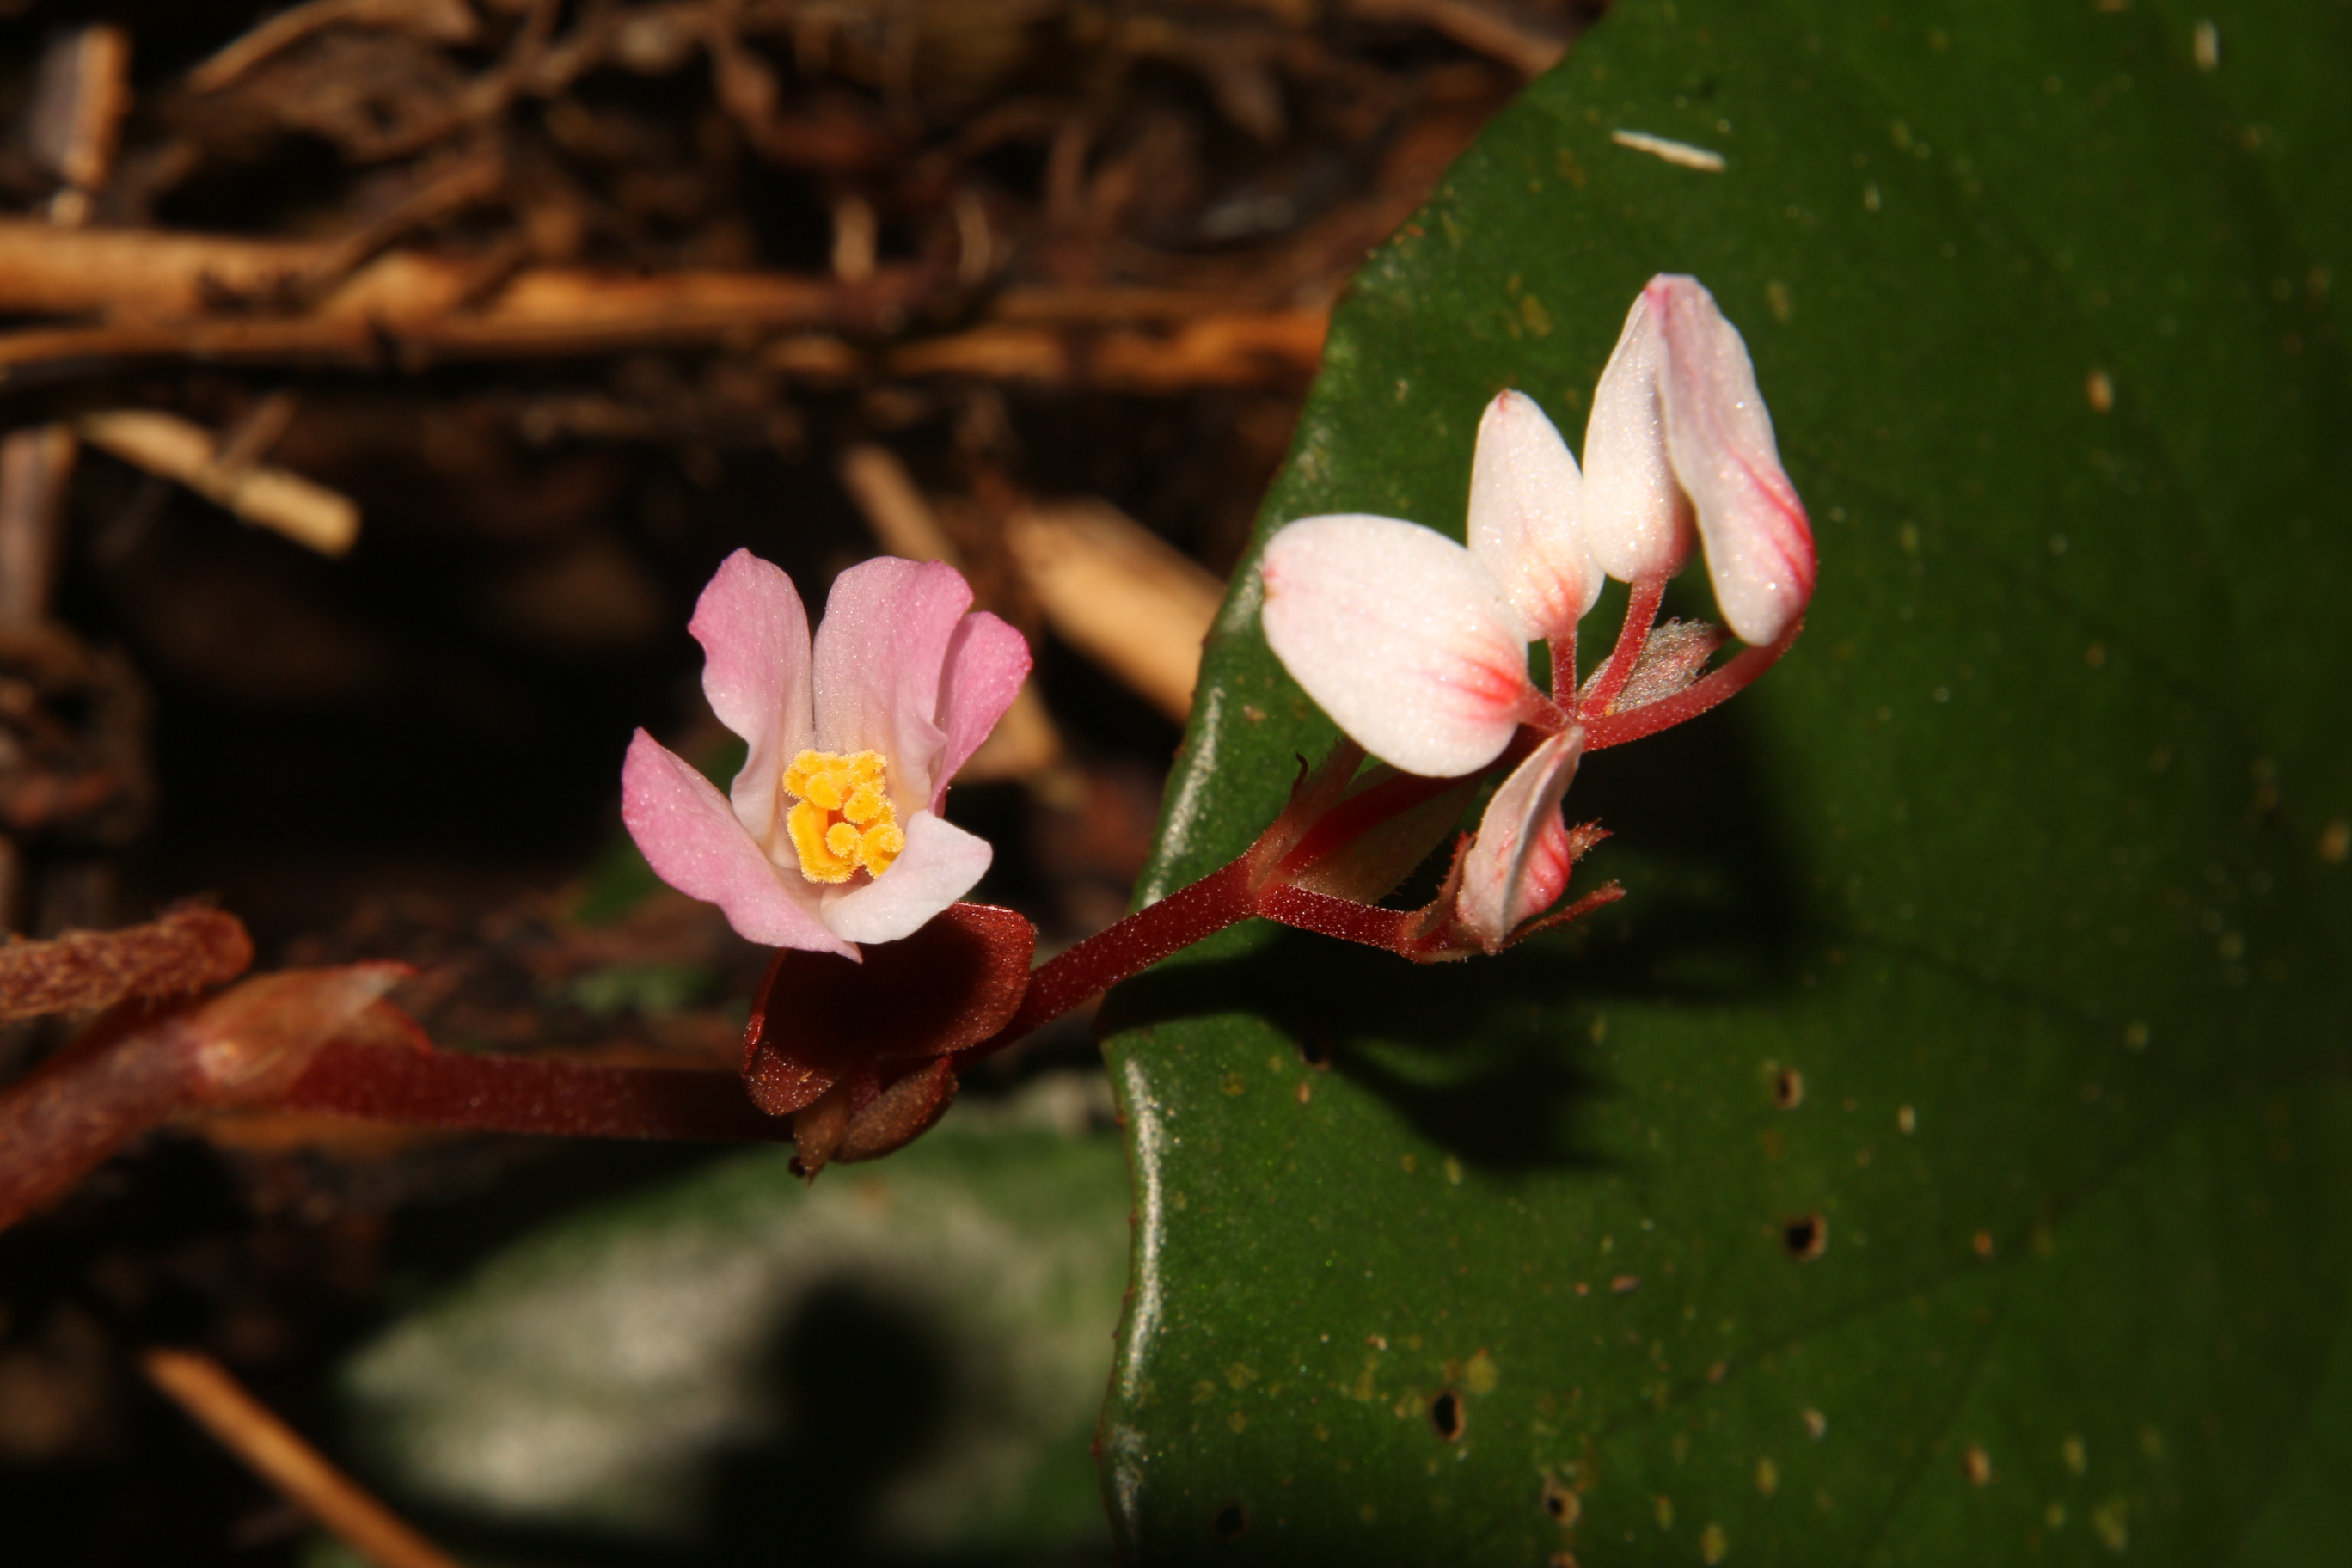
1416 647
831 835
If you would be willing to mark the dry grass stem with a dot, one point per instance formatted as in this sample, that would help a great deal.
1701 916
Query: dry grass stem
184 952
164 444
278 1455
1120 594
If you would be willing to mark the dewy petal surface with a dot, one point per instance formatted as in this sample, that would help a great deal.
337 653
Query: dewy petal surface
1527 525
987 662
1401 637
1518 866
879 657
939 865
754 634
692 838
1760 547
1637 522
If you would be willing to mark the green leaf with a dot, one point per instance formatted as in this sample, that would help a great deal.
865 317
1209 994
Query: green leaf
895 1362
1996 938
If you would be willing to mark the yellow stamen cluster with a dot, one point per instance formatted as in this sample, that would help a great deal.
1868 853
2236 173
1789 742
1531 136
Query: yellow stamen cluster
843 822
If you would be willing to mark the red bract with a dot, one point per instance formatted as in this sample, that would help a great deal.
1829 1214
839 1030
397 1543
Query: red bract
857 1054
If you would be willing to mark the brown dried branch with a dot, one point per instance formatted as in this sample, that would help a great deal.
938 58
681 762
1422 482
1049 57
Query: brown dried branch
170 446
440 21
1120 594
137 1068
470 180
280 1456
1275 349
1527 46
188 949
164 444
403 309
82 94
36 465
154 290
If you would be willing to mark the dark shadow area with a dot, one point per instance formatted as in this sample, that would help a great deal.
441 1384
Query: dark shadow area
1491 1056
864 1385
860 1386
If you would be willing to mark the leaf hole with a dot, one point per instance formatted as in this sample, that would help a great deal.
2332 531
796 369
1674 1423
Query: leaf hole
1807 1237
1560 1502
1231 1521
1788 1089
1445 1413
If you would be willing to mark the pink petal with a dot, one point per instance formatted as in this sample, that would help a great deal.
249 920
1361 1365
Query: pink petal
881 651
691 837
1527 517
1401 637
755 671
987 662
1759 548
1637 520
939 865
1518 866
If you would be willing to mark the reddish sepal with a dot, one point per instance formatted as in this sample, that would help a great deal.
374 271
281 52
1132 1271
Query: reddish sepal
855 1053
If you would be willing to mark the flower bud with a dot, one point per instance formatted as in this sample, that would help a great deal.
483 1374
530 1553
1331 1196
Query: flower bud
1526 520
1679 432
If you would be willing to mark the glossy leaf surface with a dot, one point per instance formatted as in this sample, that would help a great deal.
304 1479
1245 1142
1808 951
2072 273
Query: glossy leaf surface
1944 1155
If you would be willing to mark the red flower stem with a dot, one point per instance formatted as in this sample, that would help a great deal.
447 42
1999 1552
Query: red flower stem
73 1112
1636 723
1641 614
531 1094
1134 944
1344 919
1563 671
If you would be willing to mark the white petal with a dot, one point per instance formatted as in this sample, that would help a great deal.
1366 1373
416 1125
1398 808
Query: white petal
755 671
1526 523
939 865
1637 522
1518 864
1401 637
1759 548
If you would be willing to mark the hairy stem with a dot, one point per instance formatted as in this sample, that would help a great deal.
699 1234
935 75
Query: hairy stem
1641 614
1133 945
531 1094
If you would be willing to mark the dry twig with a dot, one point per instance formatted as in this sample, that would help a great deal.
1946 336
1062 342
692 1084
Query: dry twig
1120 594
188 950
279 1454
82 94
37 463
309 514
137 1068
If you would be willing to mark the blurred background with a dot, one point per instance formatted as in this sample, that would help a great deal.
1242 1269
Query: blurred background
381 381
